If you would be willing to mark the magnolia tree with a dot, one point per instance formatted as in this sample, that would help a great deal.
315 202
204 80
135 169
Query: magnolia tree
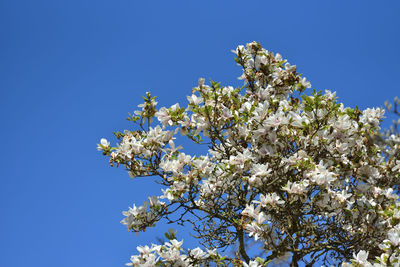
297 172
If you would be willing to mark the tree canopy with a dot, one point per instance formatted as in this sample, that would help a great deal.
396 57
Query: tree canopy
309 180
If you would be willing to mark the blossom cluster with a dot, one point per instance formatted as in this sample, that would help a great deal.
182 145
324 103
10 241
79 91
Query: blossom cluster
139 218
292 168
171 253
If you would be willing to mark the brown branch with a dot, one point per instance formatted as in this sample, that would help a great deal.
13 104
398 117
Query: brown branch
242 249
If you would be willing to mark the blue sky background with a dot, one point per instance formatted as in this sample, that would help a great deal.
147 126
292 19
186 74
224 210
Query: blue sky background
70 71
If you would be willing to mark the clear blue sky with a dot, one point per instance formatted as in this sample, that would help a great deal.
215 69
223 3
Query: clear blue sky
70 71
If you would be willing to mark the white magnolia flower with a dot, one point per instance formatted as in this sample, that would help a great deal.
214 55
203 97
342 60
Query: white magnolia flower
194 100
296 188
298 120
321 176
394 237
397 166
362 258
261 218
103 144
197 253
174 244
164 117
249 211
270 199
372 116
